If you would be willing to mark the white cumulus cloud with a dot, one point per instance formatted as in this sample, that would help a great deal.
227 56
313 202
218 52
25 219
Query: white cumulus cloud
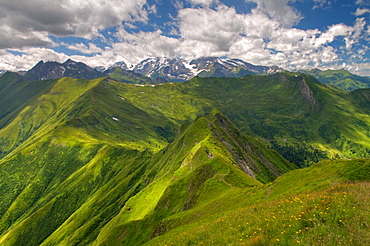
361 11
29 23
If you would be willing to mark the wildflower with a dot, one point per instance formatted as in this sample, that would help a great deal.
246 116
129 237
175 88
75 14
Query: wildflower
277 239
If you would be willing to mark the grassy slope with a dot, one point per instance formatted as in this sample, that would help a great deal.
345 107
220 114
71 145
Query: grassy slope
69 193
325 204
95 182
340 78
44 112
129 76
201 165
49 152
15 93
284 109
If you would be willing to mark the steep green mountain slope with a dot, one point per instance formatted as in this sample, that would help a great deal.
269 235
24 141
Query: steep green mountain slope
200 166
361 98
69 193
16 92
340 78
44 112
131 77
294 113
83 110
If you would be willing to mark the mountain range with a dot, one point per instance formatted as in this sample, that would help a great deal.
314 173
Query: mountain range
260 159
162 70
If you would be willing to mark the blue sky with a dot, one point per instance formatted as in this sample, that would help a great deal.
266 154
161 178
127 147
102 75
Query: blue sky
298 34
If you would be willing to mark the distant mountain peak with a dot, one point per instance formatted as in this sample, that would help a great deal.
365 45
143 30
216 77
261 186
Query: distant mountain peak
54 70
69 61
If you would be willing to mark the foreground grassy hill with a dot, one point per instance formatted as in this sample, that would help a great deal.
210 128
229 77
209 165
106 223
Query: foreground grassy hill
69 194
325 204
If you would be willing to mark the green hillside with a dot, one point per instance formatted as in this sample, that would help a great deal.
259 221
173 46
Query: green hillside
101 162
293 113
340 78
131 77
325 204
68 194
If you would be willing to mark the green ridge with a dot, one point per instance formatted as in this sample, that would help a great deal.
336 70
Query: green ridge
340 78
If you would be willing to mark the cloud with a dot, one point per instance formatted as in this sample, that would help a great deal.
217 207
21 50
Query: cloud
254 37
28 58
203 2
332 33
216 28
29 23
279 10
361 11
363 2
322 4
86 49
137 46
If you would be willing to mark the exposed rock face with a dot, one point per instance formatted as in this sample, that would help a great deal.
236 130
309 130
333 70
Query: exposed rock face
250 155
306 92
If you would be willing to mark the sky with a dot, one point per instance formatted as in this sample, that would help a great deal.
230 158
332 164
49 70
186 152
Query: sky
292 34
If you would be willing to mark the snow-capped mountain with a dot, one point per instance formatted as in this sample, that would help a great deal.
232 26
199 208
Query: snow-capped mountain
100 69
156 69
174 69
177 69
120 64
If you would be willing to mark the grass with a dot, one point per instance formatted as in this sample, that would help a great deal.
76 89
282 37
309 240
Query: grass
331 212
340 78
